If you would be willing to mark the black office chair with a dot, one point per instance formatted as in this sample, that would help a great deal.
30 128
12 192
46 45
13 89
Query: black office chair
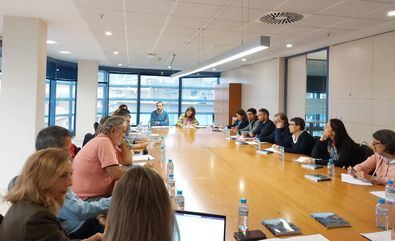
1 218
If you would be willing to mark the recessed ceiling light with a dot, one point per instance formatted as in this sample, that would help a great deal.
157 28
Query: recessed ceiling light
119 64
391 13
214 69
289 45
169 67
51 42
65 52
116 52
244 60
108 33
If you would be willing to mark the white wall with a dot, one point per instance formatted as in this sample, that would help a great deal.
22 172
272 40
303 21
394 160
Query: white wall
362 85
86 98
296 87
262 84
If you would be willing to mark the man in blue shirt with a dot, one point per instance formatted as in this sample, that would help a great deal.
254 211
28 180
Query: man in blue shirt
159 117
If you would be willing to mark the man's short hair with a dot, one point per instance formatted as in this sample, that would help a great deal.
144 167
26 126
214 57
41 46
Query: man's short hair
111 122
159 102
299 122
53 136
252 110
264 111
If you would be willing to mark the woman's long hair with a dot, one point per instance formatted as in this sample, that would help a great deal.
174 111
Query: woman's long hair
243 114
191 108
341 135
39 173
141 209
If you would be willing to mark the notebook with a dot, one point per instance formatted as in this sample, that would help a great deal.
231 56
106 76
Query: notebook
330 220
195 226
312 166
317 177
280 226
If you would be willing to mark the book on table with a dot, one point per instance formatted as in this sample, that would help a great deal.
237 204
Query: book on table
280 226
330 220
312 166
317 177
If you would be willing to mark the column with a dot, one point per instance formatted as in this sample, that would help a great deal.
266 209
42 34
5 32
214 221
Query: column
86 98
22 92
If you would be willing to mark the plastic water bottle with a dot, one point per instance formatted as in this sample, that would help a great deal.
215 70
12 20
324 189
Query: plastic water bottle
170 167
243 216
331 168
180 200
258 144
162 154
282 153
162 142
171 185
390 192
227 133
381 215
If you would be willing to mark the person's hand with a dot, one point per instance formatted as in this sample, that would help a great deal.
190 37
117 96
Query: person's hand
361 175
275 147
149 164
251 134
351 171
96 237
279 124
323 137
309 160
102 219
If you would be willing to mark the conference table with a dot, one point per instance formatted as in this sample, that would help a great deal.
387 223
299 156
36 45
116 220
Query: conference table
215 173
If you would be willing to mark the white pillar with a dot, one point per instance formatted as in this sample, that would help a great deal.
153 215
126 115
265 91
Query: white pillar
22 92
86 98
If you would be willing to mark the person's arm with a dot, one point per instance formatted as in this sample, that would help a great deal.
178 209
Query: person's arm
194 122
345 156
265 134
282 137
115 171
126 154
303 145
74 208
320 152
152 118
165 122
180 121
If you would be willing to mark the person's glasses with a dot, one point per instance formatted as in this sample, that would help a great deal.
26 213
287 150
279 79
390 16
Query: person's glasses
375 143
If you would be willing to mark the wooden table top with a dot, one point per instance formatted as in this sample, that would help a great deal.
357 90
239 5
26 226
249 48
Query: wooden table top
214 173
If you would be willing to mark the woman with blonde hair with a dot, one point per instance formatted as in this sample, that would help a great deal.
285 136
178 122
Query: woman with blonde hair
141 209
37 196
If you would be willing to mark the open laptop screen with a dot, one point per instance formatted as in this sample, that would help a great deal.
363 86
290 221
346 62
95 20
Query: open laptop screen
201 226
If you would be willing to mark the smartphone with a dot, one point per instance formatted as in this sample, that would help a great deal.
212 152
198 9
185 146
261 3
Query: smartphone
249 235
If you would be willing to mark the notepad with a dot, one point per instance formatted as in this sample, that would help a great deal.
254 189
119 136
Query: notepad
380 194
303 159
330 220
352 180
378 236
137 158
312 166
314 237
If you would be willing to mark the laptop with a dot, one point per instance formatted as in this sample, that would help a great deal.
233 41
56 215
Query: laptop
195 226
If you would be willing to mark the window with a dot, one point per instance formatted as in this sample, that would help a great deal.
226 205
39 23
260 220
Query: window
123 90
65 104
158 88
199 93
317 92
102 95
47 90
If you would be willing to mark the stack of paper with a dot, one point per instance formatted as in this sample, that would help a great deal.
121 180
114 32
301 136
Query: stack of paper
315 237
378 236
380 194
352 180
303 159
272 149
142 158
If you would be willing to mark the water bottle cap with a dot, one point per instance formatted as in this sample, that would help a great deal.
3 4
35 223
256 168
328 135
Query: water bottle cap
390 182
179 192
171 175
330 160
170 160
381 200
243 200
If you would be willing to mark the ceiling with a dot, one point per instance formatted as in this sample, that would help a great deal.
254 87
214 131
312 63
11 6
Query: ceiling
196 30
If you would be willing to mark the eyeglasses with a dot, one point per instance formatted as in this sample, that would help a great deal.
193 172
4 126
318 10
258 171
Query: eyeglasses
375 143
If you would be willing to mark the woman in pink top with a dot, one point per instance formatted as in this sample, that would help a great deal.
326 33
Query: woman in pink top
381 163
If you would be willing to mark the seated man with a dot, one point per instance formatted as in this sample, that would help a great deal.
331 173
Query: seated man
265 129
253 122
159 117
97 166
282 136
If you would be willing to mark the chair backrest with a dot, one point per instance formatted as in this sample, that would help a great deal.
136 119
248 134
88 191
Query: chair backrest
1 218
366 151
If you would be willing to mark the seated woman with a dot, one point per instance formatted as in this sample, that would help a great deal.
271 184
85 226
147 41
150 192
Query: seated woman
141 209
336 144
36 197
187 119
381 163
302 142
240 121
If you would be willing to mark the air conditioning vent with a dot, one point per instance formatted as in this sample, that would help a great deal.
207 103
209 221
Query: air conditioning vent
281 17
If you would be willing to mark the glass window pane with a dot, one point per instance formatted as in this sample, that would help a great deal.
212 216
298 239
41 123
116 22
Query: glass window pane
65 104
159 88
123 90
101 76
199 93
46 111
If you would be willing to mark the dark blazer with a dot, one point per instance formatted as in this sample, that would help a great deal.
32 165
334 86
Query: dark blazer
240 124
283 137
348 155
27 221
303 146
265 131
